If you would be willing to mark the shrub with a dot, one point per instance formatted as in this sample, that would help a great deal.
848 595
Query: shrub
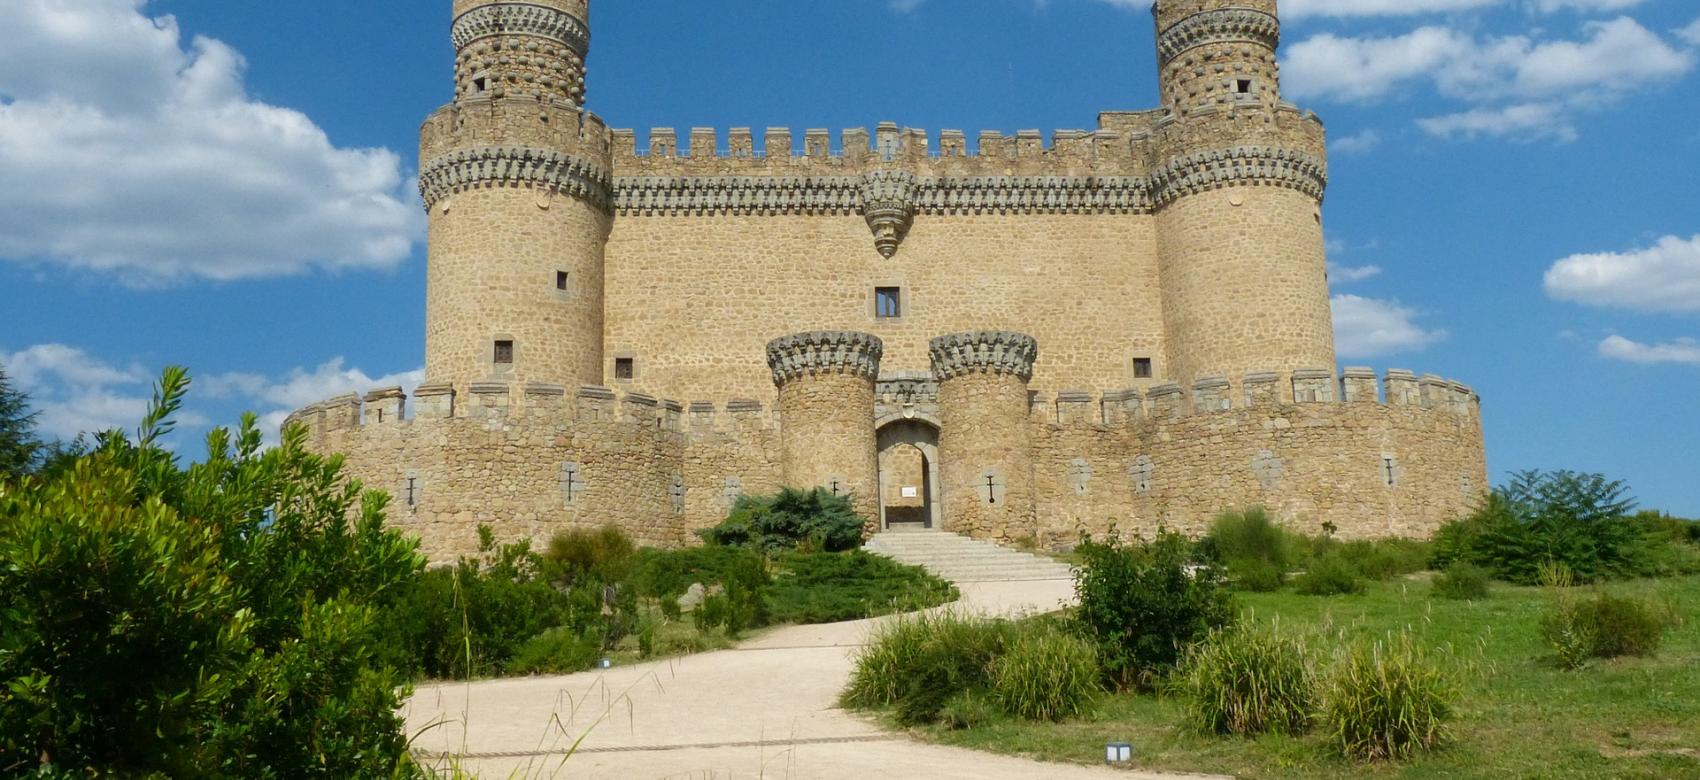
215 620
1330 575
1247 682
1385 559
665 574
969 709
834 587
1579 520
1605 626
1256 552
560 650
1388 700
1462 581
1143 604
1045 674
605 554
917 664
791 520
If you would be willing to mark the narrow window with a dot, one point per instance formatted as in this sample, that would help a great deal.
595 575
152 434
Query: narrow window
1245 86
561 278
1142 368
888 302
625 369
504 353
480 84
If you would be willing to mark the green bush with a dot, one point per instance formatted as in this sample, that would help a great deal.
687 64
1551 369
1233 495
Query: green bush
668 574
809 520
967 710
1143 604
1247 682
1046 674
1256 553
215 620
1385 559
835 587
1581 521
606 555
1388 701
1462 581
1605 626
560 650
917 664
1331 575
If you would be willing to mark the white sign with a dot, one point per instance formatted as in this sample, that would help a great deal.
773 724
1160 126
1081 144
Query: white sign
910 492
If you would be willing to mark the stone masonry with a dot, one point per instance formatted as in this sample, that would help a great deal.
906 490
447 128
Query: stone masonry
1037 336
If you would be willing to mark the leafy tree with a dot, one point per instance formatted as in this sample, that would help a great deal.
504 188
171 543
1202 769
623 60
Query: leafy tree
19 446
210 621
790 520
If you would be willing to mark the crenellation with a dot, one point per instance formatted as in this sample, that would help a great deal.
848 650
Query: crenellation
1262 389
1313 385
385 406
433 401
1436 392
341 413
1358 385
1211 394
705 143
1402 388
1075 407
1168 401
488 400
741 143
663 142
776 142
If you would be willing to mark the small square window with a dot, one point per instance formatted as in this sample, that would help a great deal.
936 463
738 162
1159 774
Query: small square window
625 369
504 353
479 84
1142 368
888 302
561 279
1245 86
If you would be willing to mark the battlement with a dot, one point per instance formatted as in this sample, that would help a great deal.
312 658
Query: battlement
521 121
504 403
1305 389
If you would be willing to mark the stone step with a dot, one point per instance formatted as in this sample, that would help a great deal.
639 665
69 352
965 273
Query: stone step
961 559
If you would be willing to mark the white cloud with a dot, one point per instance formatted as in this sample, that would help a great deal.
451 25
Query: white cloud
1522 122
122 150
1358 143
281 397
74 392
1691 33
1347 274
1517 86
1295 9
1662 278
1682 351
1552 6
1370 327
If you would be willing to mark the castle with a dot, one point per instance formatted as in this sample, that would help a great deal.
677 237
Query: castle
1018 340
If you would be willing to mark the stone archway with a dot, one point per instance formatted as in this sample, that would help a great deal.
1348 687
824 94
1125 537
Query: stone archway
909 474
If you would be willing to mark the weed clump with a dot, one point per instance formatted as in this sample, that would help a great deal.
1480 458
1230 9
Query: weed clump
1605 626
1462 581
1388 700
1248 682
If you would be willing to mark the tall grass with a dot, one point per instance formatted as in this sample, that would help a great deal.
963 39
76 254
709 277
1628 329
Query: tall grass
1605 626
1388 700
1248 681
1046 674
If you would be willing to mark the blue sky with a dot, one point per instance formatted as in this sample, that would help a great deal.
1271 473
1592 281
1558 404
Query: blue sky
229 185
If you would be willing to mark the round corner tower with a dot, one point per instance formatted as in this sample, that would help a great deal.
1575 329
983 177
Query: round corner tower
826 411
516 179
1238 182
984 449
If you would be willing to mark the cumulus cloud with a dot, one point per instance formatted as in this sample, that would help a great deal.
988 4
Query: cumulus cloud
74 392
125 150
1519 86
279 397
1371 327
1551 6
1681 351
1664 277
1348 274
1691 33
1362 142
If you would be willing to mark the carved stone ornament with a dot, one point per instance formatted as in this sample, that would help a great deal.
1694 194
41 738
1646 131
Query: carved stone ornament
824 352
888 202
984 352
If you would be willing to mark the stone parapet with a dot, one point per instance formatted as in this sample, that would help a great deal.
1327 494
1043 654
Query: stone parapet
984 352
824 352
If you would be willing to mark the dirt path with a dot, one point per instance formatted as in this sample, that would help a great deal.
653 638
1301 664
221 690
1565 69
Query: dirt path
764 710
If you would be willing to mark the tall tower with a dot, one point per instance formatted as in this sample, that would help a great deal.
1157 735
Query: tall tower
1239 177
516 178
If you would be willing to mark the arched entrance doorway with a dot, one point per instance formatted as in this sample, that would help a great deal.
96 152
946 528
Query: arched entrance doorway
909 474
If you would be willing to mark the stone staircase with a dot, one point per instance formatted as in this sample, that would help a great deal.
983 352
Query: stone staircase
960 559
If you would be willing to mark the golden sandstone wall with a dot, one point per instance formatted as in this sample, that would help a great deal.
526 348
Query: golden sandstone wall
738 274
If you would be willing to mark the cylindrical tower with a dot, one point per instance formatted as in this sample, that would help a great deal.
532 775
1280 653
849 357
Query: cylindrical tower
826 408
1238 183
985 460
516 178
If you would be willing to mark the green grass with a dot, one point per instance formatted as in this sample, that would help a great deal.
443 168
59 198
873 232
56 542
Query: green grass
1518 716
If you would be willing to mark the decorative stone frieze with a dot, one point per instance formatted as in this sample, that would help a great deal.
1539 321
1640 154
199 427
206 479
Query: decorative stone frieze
542 169
888 204
1225 25
742 195
1241 165
982 352
824 352
521 19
